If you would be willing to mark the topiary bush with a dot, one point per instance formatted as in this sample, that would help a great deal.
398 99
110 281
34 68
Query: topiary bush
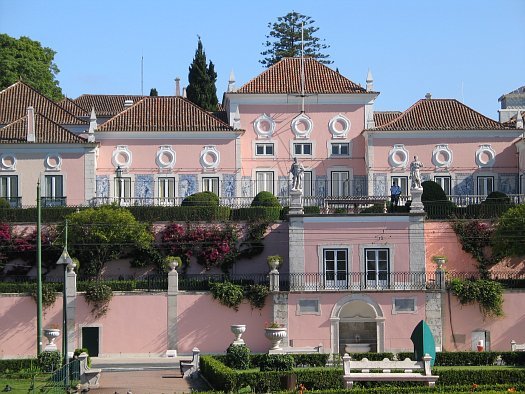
435 201
497 198
238 357
276 362
202 199
265 199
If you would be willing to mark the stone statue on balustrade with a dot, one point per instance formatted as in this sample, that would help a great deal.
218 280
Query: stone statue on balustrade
415 174
297 175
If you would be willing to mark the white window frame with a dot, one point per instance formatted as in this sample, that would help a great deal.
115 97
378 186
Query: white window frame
211 184
341 184
265 146
256 143
382 275
6 187
123 190
302 144
339 143
266 182
339 272
402 182
163 190
484 178
441 180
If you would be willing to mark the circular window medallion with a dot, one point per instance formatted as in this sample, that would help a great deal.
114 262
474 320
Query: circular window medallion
8 161
210 157
485 156
339 126
165 158
302 126
398 156
53 162
264 126
442 156
121 157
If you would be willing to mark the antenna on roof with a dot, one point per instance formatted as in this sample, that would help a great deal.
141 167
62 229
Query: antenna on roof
302 67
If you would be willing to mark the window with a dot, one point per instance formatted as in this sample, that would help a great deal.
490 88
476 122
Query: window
264 181
340 149
9 189
402 182
377 267
264 150
53 191
123 191
302 148
166 191
308 307
210 184
485 185
335 268
340 182
404 305
444 182
307 184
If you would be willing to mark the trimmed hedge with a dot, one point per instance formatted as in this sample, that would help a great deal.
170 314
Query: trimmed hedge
17 365
22 215
255 213
182 214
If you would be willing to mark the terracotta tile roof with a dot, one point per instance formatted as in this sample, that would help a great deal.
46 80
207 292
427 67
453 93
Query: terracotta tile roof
15 99
105 104
164 113
382 117
284 77
440 114
70 106
46 132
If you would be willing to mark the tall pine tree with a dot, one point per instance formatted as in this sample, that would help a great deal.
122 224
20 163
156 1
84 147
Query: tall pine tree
284 40
201 89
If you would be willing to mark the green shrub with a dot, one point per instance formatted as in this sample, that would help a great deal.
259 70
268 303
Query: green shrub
310 359
98 295
465 358
4 204
276 362
513 358
238 357
487 293
17 365
455 376
79 351
320 378
265 199
49 294
49 215
49 361
256 295
227 293
256 213
201 199
497 198
220 376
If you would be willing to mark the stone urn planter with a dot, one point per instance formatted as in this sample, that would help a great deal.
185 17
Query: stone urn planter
238 330
275 336
274 262
440 261
51 334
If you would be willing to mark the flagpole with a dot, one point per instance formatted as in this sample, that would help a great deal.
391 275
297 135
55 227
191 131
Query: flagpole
39 271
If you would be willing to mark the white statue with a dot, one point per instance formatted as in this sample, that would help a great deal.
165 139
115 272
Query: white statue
415 175
297 175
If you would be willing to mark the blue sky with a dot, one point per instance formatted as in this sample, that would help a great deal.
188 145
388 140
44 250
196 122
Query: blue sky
471 50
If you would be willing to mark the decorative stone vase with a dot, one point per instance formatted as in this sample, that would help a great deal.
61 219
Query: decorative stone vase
440 261
275 336
51 334
274 262
238 330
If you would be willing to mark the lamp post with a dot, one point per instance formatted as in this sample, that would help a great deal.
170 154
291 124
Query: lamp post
118 175
68 264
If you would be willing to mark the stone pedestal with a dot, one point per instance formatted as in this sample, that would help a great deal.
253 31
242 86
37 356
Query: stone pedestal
296 202
417 205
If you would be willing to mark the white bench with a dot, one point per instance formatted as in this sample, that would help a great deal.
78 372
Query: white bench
89 377
517 347
189 367
360 371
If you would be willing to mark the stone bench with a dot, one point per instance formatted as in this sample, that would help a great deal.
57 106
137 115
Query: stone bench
361 371
517 347
189 367
354 202
89 377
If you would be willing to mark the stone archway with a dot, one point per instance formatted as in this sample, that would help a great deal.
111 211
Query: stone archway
358 319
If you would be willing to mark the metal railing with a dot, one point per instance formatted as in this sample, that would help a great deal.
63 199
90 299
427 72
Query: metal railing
202 282
48 202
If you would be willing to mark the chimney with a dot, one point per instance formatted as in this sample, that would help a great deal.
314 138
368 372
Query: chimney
231 82
31 124
184 93
369 82
177 86
128 103
428 96
519 120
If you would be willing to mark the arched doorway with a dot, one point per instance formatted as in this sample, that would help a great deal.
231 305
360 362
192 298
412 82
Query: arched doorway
357 325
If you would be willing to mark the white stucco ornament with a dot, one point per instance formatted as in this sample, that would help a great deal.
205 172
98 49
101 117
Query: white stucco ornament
442 156
53 162
302 126
8 162
165 157
398 156
121 156
485 156
210 157
339 126
264 126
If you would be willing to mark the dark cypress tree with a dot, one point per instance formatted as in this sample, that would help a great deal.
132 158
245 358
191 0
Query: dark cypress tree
153 92
201 88
284 39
